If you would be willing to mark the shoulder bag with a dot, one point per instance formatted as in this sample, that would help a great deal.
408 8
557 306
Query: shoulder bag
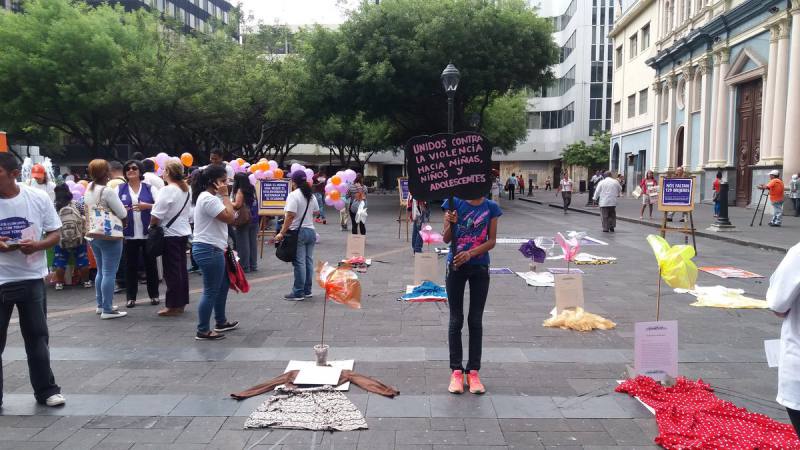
242 216
155 234
103 224
286 249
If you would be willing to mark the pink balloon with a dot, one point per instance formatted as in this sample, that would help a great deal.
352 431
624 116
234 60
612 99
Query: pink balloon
350 175
342 188
269 174
252 179
260 175
309 174
339 204
272 165
76 195
329 187
328 201
234 165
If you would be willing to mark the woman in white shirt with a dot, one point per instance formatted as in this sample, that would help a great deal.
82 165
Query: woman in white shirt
301 205
172 211
782 298
107 253
138 198
213 212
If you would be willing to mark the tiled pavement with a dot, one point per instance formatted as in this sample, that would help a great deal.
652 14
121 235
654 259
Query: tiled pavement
143 382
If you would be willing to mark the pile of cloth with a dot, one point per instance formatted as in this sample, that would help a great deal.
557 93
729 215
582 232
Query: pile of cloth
690 416
579 320
722 297
538 279
357 263
428 291
586 258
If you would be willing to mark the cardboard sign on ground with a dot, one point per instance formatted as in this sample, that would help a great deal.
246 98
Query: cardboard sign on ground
729 272
656 349
355 245
426 267
569 291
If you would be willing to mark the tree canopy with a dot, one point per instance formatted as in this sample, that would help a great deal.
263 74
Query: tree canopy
592 156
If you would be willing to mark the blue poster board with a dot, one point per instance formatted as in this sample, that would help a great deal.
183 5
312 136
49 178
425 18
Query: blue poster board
402 187
677 194
272 196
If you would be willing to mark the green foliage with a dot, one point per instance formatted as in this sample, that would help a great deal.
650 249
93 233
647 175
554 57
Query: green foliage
505 124
592 156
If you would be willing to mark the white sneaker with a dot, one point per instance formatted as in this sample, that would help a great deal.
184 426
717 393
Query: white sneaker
59 286
88 284
113 315
100 310
55 400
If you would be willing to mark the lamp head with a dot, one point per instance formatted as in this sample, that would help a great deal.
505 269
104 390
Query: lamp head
450 78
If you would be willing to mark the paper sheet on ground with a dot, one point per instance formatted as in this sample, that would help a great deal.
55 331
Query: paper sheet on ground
538 279
558 270
500 271
729 272
722 297
586 258
345 364
772 347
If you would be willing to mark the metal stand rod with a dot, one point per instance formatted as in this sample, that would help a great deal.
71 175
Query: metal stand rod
324 308
658 297
758 205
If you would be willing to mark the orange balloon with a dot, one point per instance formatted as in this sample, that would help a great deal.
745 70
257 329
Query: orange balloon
278 173
335 195
252 168
336 180
240 161
187 159
84 183
155 164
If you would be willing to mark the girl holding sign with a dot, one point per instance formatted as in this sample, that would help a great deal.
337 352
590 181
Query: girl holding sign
473 225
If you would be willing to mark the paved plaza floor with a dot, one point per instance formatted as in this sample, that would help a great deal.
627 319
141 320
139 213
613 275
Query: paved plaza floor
144 382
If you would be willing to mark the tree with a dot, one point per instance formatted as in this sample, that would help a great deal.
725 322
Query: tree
591 156
354 139
386 59
505 121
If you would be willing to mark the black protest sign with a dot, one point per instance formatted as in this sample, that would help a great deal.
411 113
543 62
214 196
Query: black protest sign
445 165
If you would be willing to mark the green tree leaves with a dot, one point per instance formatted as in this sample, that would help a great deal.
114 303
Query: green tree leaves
592 156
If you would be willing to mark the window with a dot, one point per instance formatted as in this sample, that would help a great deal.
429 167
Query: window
561 22
547 120
597 72
645 36
643 101
618 57
559 86
631 105
617 107
633 46
568 47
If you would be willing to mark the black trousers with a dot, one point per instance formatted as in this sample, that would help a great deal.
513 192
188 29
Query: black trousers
478 278
358 228
794 417
30 298
567 196
511 189
176 277
608 217
133 248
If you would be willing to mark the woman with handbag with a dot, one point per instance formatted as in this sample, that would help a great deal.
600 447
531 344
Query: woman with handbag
106 216
138 198
715 186
173 206
357 193
298 227
245 222
213 212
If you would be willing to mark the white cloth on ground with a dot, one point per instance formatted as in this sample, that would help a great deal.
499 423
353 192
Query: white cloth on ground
317 409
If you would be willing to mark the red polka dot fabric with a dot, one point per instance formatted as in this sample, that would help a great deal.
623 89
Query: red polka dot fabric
690 416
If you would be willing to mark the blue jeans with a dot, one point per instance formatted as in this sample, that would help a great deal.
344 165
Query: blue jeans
777 215
107 255
717 207
215 284
320 201
304 262
416 239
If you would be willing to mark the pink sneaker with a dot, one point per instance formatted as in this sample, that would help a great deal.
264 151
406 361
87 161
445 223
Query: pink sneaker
456 382
474 383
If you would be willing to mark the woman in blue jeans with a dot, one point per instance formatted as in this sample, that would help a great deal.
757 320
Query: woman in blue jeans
107 253
301 206
213 212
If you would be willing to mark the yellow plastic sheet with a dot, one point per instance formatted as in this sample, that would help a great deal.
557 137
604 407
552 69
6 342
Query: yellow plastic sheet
722 297
579 320
674 262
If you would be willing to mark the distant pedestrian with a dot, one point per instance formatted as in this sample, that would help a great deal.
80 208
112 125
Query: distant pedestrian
548 184
117 174
319 193
23 266
622 182
715 196
71 243
649 187
521 184
596 177
565 187
794 194
475 223
419 214
606 194
511 185
497 188
530 186
150 176
246 223
357 193
40 180
783 296
775 187
301 207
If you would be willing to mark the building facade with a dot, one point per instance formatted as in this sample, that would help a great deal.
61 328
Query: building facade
726 92
633 38
579 101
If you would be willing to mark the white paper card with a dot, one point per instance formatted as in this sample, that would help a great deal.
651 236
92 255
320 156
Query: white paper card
426 268
773 349
569 291
345 364
356 244
318 375
656 349
32 233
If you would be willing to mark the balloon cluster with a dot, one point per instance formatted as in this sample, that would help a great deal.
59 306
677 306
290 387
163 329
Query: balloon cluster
77 189
162 158
337 187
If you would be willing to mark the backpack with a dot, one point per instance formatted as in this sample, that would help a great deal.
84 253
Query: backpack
73 228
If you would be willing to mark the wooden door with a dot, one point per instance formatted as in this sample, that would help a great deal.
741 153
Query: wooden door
748 141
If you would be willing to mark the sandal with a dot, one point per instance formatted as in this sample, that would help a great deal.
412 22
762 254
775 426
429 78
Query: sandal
154 301
130 304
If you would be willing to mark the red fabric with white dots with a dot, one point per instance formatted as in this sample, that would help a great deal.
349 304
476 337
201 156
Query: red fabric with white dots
690 416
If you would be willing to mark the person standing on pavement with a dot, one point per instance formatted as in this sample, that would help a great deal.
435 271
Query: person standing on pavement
138 198
592 185
174 205
565 187
794 194
107 253
649 187
117 176
357 194
300 209
319 193
30 227
530 186
150 176
521 184
606 194
783 295
246 234
511 186
715 187
419 215
39 180
775 187
548 184
71 242
213 212
473 226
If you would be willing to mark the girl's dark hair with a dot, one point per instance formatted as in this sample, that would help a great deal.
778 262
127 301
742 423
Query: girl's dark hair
719 174
205 178
305 188
133 162
63 196
242 182
358 179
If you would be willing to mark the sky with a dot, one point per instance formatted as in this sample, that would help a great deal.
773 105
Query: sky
296 12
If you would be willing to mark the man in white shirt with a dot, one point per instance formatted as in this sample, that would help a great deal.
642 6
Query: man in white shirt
565 187
605 194
25 215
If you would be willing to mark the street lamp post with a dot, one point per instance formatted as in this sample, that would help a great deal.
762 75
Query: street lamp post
450 78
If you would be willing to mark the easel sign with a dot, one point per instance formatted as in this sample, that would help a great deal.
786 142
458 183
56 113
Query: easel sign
426 267
656 349
569 291
356 244
402 188
677 194
272 196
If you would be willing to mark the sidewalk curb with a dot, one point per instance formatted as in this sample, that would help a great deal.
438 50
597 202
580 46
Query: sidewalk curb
699 233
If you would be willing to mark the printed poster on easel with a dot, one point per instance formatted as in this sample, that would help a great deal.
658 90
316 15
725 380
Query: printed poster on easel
272 196
677 196
656 349
402 189
356 244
